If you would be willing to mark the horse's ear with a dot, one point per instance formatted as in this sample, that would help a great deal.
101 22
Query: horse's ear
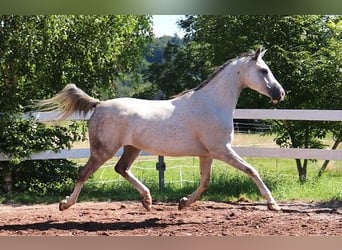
262 53
259 53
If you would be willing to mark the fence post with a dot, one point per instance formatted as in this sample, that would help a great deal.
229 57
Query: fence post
160 166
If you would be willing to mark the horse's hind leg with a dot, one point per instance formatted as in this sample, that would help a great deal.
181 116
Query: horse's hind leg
91 166
130 153
205 168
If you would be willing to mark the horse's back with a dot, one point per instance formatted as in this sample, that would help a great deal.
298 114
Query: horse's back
160 127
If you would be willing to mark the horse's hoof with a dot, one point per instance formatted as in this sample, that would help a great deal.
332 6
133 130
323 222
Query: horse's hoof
147 202
63 205
182 203
273 207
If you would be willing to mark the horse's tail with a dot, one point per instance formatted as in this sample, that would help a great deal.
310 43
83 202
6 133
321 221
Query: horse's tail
71 99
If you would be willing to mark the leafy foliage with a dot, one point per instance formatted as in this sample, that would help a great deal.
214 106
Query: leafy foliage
44 177
38 56
20 137
184 67
156 49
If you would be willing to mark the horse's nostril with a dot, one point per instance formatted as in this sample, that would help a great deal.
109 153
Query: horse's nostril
282 94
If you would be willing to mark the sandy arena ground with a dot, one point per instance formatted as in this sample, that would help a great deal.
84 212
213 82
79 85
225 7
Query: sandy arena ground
128 218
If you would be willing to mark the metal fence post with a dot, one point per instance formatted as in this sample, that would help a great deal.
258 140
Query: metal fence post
160 166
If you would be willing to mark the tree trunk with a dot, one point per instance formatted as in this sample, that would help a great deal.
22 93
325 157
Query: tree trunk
7 183
326 162
6 177
302 169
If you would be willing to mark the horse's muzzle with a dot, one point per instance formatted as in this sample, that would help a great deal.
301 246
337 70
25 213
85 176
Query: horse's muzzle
277 94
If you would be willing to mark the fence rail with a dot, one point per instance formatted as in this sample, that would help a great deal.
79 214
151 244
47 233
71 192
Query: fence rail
289 114
262 114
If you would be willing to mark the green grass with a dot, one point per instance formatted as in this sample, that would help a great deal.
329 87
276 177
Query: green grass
227 184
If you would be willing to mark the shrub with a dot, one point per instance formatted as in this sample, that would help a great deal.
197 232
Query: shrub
19 138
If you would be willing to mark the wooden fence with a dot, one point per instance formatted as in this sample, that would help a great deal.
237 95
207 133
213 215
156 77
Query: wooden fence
261 114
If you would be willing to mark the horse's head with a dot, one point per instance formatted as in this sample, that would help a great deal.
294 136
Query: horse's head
259 77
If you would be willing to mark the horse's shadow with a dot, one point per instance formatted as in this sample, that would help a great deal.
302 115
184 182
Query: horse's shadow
91 226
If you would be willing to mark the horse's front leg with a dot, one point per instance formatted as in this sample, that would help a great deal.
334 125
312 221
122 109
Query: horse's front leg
205 169
229 156
130 153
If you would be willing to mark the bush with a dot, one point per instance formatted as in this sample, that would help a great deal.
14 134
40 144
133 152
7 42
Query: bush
19 138
44 177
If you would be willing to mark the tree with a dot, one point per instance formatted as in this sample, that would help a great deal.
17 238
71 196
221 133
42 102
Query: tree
43 53
135 84
40 54
304 54
183 67
333 50
155 50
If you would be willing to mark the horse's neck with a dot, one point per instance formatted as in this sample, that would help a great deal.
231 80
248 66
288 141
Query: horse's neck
225 88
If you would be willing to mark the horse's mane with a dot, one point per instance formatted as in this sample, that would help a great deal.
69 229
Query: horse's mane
215 73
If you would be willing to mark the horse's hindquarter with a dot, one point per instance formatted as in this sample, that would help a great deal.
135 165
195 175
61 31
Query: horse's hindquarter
158 127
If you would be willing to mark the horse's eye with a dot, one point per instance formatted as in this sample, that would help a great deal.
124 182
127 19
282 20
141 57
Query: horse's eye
264 71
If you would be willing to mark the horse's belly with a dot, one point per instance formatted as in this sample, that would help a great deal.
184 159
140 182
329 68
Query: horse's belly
169 148
172 149
169 141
